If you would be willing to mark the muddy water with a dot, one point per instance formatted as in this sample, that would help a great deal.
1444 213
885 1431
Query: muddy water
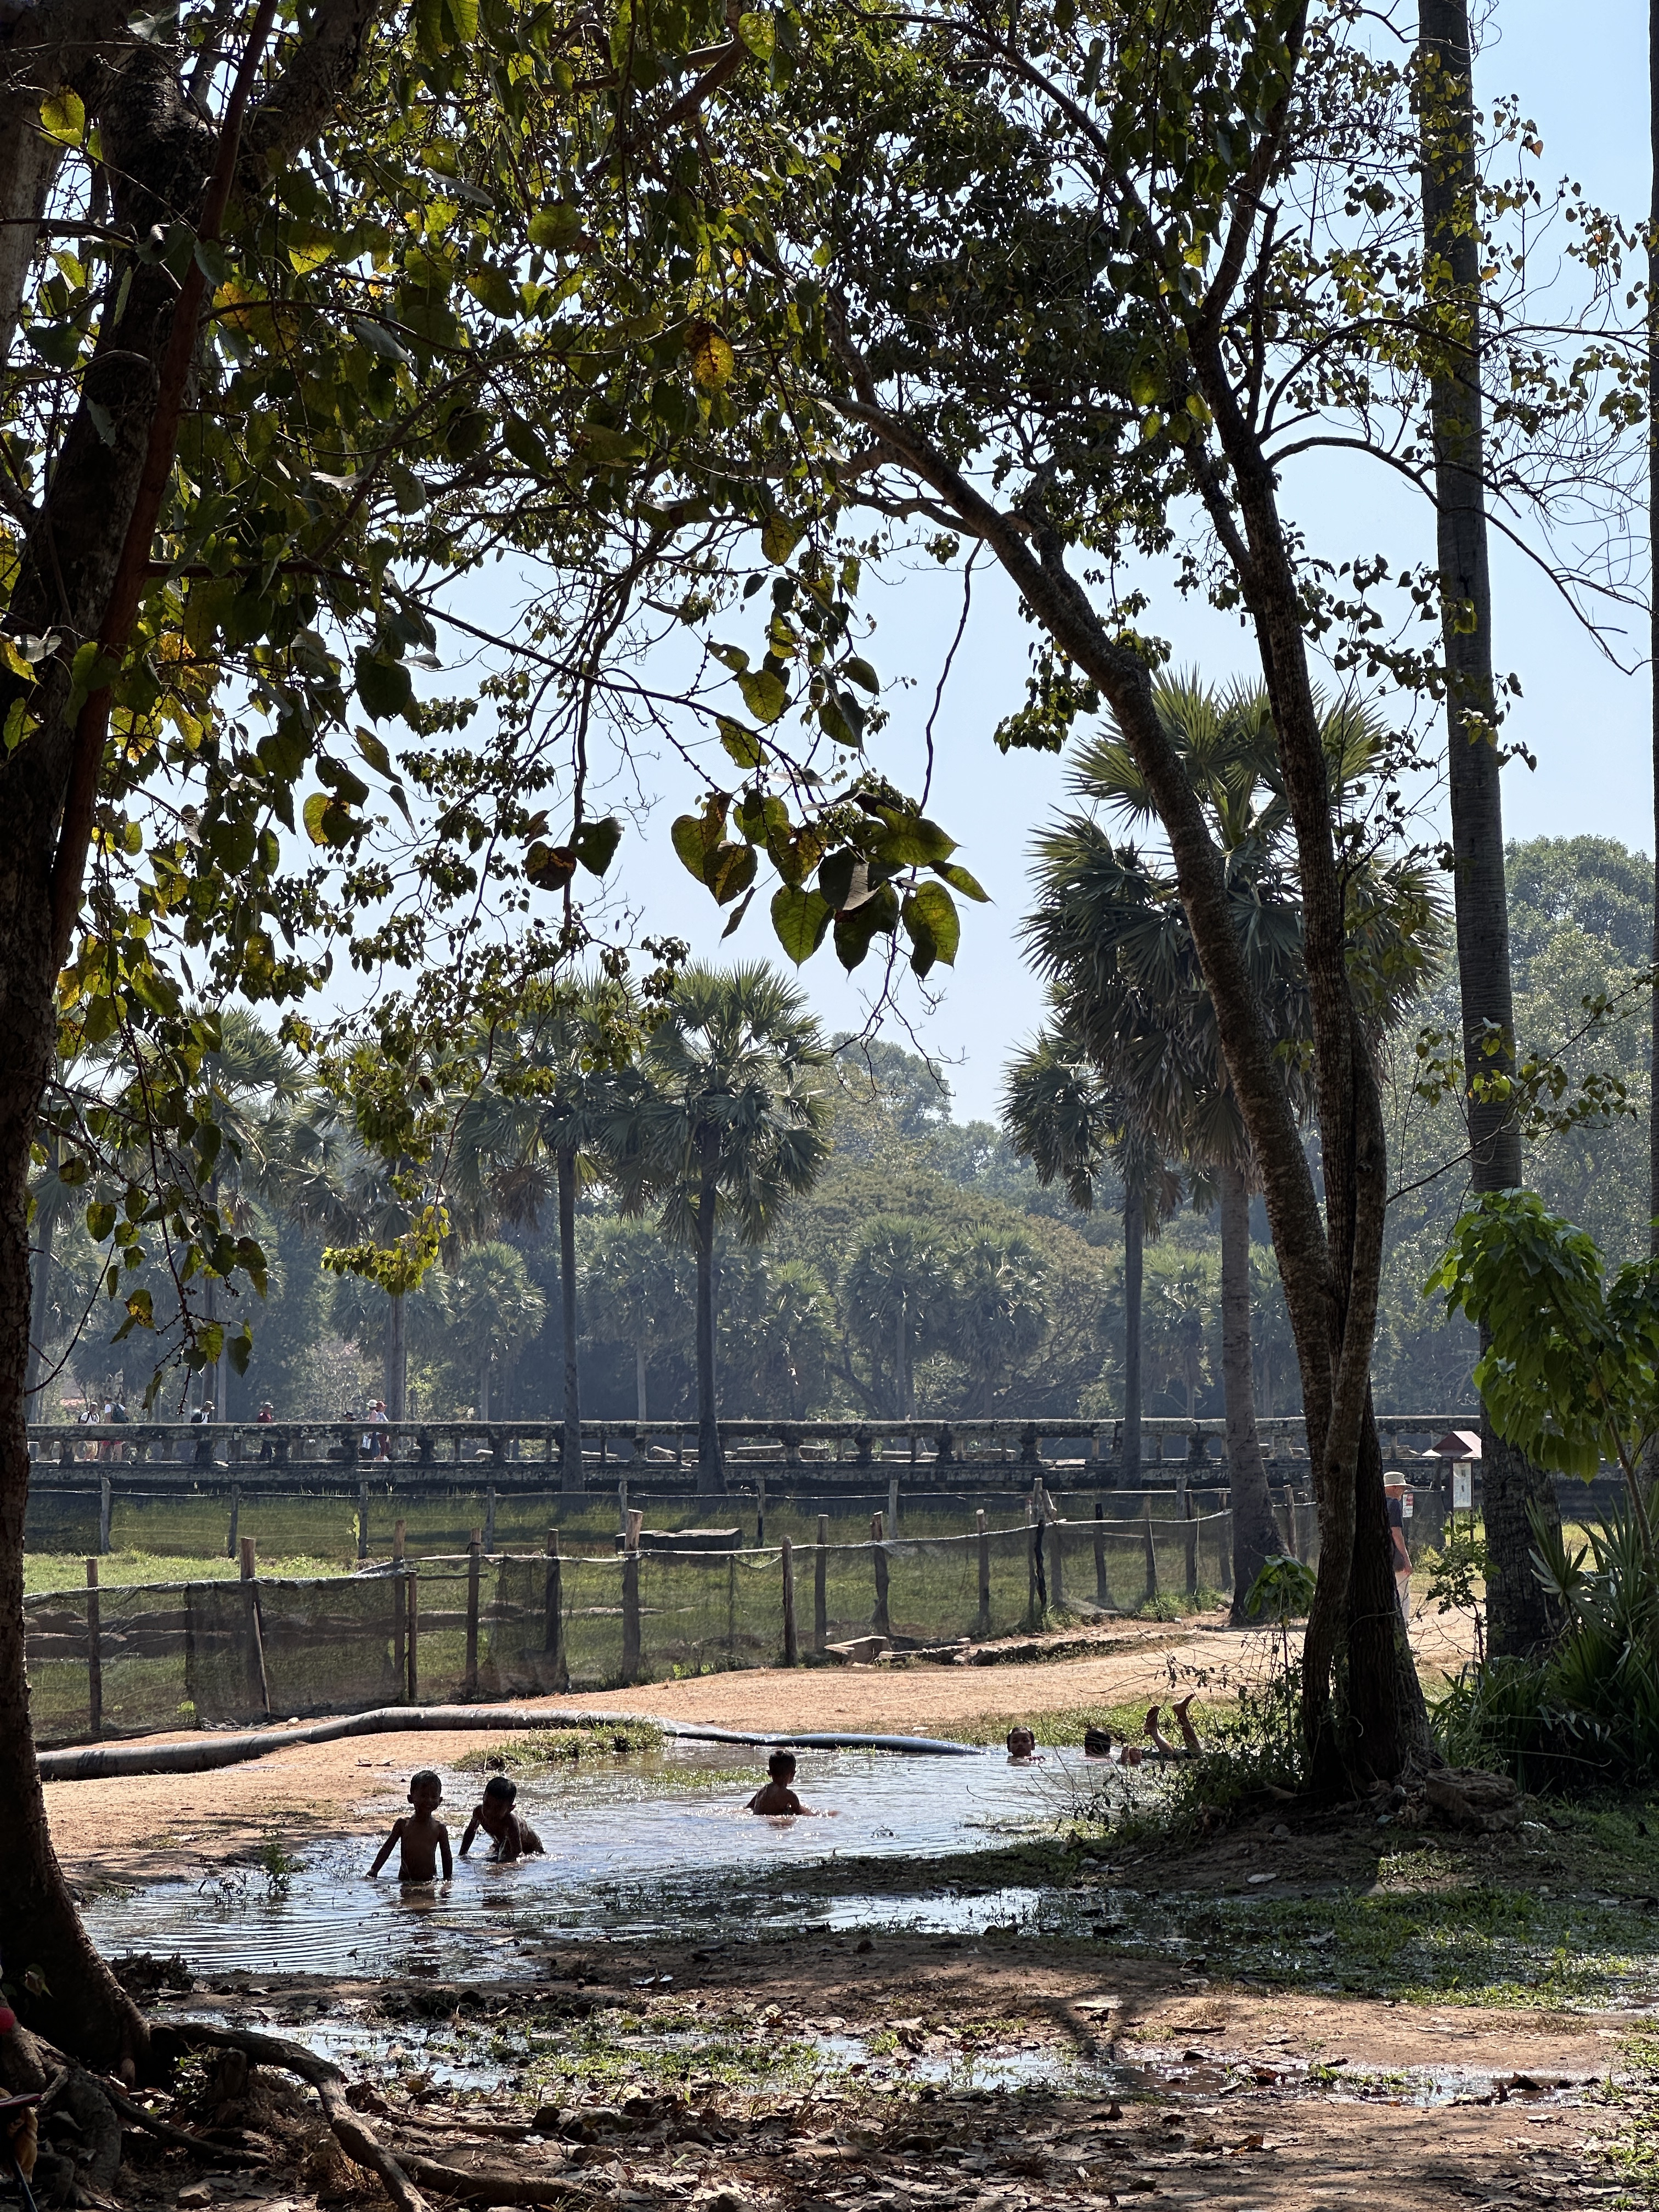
646 1845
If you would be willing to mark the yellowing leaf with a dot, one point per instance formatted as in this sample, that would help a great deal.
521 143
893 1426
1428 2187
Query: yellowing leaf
712 358
308 248
764 694
759 33
779 538
63 117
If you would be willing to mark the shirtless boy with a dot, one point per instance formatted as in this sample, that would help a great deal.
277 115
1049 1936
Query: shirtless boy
421 1834
511 1835
778 1796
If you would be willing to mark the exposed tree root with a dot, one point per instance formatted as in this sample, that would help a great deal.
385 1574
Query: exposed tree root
180 2138
401 2174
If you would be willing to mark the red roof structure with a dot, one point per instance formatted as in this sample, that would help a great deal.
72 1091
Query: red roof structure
1457 1444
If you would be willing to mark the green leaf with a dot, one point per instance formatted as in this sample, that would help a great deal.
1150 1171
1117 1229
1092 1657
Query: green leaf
595 844
738 913
525 446
759 33
327 822
493 289
383 685
933 925
729 870
462 21
764 693
911 841
799 918
744 747
308 247
550 866
101 1220
555 228
855 927
958 878
858 671
63 117
379 340
779 538
373 752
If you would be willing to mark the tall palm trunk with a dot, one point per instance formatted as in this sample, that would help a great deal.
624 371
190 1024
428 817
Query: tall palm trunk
485 1366
396 1359
711 1462
570 1450
1518 1615
1255 1539
1134 1269
639 1379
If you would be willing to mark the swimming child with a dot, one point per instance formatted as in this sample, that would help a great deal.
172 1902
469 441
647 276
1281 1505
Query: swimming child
421 1834
778 1796
509 1832
1022 1745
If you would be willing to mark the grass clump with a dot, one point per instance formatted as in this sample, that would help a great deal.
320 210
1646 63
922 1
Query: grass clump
599 1737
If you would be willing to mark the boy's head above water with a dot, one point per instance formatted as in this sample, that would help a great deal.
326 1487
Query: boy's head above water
1021 1742
781 1766
426 1790
503 1791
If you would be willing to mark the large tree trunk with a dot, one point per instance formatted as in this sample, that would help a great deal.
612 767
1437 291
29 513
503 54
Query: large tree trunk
1255 1537
1134 1270
396 1358
711 1460
572 1479
639 1379
1653 588
1518 1615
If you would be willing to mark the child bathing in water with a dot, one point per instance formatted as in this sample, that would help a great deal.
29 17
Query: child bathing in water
779 1796
1021 1746
511 1835
421 1836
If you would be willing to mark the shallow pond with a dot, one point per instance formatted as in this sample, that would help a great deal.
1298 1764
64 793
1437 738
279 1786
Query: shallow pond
645 1844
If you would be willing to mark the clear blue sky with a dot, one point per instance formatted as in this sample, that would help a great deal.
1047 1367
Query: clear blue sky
1581 75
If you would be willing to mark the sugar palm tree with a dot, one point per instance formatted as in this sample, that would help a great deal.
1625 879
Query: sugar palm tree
1113 940
895 1296
1078 1130
730 1119
538 1126
999 1314
637 1286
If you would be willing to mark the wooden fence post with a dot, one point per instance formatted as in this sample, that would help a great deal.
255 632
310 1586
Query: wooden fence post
553 1611
760 1507
880 1623
232 1539
362 1518
1152 1555
1031 1563
1223 1538
259 1687
821 1586
473 1550
489 1519
984 1573
1103 1588
1190 1536
105 1513
399 1601
791 1649
412 1592
94 1656
893 1496
1056 1571
731 1601
630 1662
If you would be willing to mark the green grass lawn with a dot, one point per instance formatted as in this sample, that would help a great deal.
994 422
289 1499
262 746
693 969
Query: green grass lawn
55 1570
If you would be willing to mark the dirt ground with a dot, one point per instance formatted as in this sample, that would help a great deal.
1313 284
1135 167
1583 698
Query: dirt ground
1230 2094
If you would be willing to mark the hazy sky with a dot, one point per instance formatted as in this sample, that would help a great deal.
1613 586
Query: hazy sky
1587 723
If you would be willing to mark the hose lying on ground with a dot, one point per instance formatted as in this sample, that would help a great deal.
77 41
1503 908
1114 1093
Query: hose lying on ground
95 1762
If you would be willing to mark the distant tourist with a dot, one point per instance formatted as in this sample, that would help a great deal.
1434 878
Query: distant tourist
375 1446
420 1835
511 1835
263 1418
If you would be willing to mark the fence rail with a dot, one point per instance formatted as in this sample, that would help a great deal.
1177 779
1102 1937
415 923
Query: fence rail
112 1661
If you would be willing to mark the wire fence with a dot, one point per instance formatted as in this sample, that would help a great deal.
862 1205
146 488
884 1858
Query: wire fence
117 1662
